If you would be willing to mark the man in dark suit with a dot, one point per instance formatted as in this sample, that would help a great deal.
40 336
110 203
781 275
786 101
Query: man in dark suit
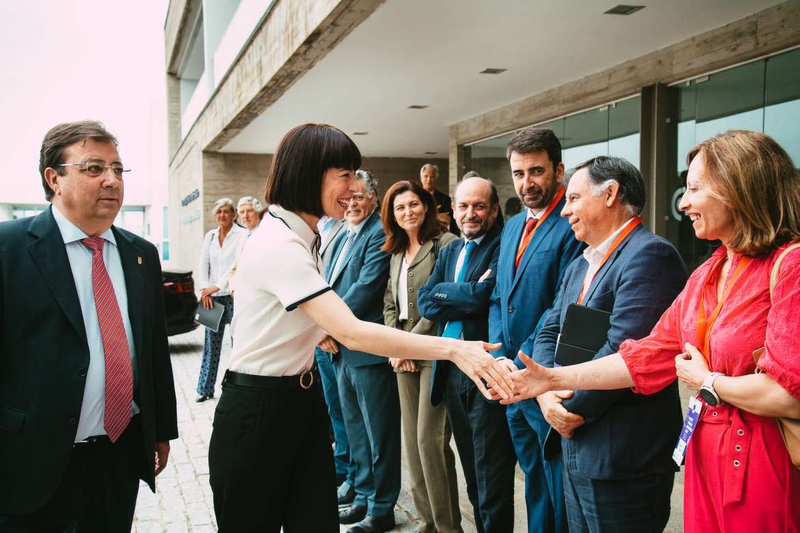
358 273
87 402
460 304
617 458
536 247
428 175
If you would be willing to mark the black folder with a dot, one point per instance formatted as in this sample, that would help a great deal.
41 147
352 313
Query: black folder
209 318
584 332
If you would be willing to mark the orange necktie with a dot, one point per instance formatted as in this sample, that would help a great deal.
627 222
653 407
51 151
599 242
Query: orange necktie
530 224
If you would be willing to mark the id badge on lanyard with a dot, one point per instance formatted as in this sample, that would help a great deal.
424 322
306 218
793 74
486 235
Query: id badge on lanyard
689 425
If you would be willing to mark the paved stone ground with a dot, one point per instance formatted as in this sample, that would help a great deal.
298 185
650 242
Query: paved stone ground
184 504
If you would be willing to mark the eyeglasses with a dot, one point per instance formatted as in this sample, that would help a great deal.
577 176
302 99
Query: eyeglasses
95 169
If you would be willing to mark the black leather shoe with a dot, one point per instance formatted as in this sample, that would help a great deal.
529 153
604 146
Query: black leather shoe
353 514
346 497
374 524
204 397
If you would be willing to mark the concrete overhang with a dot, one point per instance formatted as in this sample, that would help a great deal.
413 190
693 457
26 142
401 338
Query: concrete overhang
419 52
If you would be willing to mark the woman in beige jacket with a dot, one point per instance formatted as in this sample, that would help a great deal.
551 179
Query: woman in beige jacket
413 238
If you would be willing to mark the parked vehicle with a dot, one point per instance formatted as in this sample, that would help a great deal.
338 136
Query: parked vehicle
180 301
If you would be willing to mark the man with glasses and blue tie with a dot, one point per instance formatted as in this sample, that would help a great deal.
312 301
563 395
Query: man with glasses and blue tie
358 273
457 297
87 401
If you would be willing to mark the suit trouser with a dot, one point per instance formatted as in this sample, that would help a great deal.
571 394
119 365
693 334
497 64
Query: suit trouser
97 493
487 454
212 349
270 461
431 463
544 485
372 419
345 467
615 505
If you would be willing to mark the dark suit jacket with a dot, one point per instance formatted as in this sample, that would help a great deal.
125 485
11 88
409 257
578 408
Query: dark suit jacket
361 281
519 300
44 356
442 300
626 435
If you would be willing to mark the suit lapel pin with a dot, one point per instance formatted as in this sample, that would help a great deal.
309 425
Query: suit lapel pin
139 259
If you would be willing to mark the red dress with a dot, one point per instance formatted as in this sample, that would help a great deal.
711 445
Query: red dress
739 477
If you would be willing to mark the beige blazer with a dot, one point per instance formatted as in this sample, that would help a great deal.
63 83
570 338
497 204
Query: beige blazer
418 273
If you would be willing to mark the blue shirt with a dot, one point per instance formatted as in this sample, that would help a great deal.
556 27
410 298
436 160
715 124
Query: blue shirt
80 262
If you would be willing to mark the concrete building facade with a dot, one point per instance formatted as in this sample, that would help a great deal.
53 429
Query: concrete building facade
449 82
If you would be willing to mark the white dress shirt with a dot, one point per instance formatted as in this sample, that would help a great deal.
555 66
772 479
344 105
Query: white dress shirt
594 256
460 261
216 260
80 262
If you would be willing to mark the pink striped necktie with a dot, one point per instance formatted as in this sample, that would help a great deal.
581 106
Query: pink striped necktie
119 372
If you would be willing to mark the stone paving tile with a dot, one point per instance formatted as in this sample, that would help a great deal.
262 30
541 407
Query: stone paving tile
184 503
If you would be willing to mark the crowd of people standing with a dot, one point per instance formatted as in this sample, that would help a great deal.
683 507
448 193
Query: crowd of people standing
368 324
421 262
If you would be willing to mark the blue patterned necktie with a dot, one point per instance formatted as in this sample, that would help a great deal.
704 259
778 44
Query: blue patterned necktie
343 256
455 328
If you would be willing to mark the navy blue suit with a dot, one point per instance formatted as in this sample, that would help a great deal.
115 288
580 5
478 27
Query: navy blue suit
517 305
479 425
367 384
626 437
345 467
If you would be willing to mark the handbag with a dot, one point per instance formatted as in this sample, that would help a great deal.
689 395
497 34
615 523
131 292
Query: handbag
789 427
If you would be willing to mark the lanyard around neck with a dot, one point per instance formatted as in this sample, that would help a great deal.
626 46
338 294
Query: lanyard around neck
629 227
704 324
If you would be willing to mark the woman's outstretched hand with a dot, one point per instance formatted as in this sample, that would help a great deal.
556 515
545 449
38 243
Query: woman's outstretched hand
491 377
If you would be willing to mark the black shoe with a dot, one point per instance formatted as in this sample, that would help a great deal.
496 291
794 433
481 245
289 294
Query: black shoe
345 495
374 524
353 514
204 397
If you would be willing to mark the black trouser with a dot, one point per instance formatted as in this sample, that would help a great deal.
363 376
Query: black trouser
487 454
97 493
270 458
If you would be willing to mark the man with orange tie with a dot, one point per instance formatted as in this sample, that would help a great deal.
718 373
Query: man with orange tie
87 401
535 248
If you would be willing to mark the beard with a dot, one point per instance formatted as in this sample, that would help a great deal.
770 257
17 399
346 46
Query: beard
536 197
473 233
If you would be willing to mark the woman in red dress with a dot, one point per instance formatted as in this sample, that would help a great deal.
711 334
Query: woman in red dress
743 190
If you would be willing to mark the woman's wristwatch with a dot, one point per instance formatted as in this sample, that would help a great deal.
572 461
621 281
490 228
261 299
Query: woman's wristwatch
707 392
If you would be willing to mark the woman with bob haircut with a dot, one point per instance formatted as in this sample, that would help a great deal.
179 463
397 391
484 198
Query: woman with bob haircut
729 336
414 238
270 458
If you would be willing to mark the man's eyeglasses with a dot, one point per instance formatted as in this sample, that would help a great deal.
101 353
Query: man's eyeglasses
95 169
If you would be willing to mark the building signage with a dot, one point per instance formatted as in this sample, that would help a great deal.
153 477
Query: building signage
191 197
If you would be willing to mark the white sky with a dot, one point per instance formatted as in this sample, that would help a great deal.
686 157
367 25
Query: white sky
81 59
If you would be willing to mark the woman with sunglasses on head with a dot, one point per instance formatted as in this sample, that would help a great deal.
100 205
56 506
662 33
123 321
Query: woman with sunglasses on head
270 457
730 335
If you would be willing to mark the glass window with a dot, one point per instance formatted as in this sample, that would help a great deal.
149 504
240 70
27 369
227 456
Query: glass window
26 211
608 130
761 96
782 95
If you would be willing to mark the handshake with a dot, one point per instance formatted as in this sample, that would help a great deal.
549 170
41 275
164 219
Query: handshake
499 378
